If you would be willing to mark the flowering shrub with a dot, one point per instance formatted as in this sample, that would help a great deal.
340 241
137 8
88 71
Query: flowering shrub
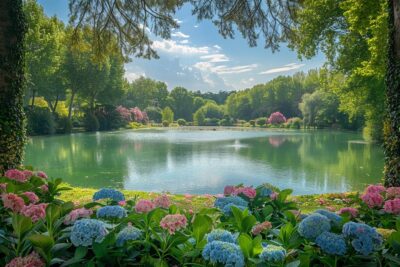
248 226
276 118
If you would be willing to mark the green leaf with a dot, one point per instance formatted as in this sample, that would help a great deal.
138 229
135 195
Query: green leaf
53 212
100 250
248 223
246 245
202 224
21 224
284 194
80 252
42 241
60 246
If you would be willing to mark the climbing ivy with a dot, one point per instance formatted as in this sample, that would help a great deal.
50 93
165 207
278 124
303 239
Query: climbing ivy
12 119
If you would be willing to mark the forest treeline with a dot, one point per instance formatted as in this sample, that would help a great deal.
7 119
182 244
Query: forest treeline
70 86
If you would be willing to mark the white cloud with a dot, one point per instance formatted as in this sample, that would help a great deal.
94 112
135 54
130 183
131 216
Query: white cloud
178 21
171 46
215 58
180 35
288 67
222 69
131 76
217 47
184 41
196 26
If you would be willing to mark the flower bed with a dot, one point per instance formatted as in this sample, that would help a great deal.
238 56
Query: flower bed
245 226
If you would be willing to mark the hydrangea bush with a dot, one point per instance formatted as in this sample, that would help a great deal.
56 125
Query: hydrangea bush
248 226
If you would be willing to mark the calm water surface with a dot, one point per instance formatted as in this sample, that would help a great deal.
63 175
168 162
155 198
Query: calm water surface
202 161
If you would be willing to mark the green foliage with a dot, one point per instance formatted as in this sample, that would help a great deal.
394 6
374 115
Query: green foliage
40 121
167 115
145 92
182 103
91 123
181 122
262 121
165 123
199 118
154 113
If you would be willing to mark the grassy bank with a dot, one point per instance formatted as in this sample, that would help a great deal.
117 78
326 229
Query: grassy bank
306 203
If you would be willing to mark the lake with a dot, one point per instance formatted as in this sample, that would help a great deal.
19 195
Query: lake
204 161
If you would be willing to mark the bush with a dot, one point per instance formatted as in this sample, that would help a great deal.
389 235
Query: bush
167 115
199 118
91 123
181 122
134 125
262 121
276 118
109 118
154 114
165 123
211 122
226 121
40 121
64 125
294 123
252 123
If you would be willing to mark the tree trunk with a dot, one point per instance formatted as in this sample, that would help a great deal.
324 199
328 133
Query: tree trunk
12 127
33 98
70 105
392 127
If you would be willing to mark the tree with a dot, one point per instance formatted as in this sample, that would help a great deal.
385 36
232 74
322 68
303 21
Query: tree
182 103
167 115
145 92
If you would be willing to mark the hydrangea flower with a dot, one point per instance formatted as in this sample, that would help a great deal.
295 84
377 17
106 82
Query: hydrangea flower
314 225
44 188
225 253
3 187
393 192
108 193
372 200
35 211
32 197
41 174
111 212
173 222
86 231
265 192
365 239
228 211
375 189
331 243
261 227
128 233
221 202
228 190
274 196
71 217
13 202
247 191
272 253
144 206
32 260
16 175
333 217
221 235
28 174
348 210
392 206
162 201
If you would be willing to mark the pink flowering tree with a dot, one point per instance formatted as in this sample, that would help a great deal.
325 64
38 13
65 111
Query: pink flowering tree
137 114
276 118
124 113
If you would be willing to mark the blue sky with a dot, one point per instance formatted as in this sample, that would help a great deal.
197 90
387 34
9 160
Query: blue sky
198 58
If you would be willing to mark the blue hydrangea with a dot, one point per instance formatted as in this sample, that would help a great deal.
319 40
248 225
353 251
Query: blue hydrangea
331 243
221 202
228 211
111 212
365 239
335 219
128 233
314 225
86 231
108 193
221 235
224 253
265 192
272 253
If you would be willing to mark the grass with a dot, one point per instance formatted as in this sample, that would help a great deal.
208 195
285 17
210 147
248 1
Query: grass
306 203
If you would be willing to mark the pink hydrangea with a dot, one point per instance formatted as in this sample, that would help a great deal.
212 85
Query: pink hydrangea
353 212
28 174
32 197
261 227
35 211
188 196
122 203
13 202
44 188
162 201
16 175
3 187
144 206
41 174
274 196
372 199
173 222
392 206
375 189
74 215
228 190
393 192
247 191
32 260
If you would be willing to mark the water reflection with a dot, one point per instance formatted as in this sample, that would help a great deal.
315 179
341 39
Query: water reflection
204 161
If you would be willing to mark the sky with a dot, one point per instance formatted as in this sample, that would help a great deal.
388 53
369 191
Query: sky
198 58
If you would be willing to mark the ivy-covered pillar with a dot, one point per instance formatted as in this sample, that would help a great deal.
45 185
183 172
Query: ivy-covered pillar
12 128
392 128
